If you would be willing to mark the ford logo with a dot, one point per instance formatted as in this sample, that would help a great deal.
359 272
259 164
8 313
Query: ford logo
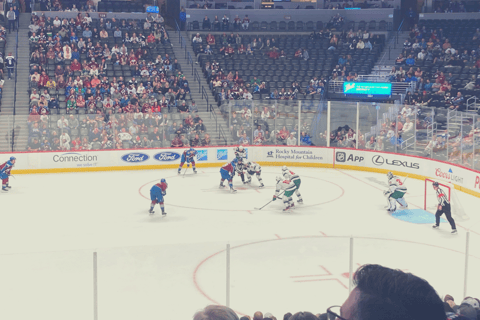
166 156
135 157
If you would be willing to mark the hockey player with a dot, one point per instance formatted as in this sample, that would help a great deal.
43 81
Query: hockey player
443 207
254 168
292 176
5 172
240 168
188 156
157 192
227 172
240 152
395 192
289 188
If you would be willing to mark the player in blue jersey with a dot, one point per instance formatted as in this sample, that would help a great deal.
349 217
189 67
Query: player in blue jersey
188 156
157 192
228 171
5 172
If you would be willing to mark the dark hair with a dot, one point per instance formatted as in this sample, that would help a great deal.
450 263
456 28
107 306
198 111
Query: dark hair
303 316
395 295
213 312
287 316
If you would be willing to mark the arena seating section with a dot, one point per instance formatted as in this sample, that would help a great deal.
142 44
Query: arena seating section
160 116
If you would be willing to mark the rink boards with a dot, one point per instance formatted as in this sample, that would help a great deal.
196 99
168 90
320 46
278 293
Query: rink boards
464 179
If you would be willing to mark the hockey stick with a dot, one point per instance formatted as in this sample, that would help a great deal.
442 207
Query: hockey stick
405 179
183 176
269 202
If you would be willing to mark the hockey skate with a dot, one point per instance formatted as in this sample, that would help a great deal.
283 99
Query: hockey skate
221 185
151 211
286 209
435 226
164 214
232 190
249 180
194 170
262 185
300 201
4 189
292 206
454 231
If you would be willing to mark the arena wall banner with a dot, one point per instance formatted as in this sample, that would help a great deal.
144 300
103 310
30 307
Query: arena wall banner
340 158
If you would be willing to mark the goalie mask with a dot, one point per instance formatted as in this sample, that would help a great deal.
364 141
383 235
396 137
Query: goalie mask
389 175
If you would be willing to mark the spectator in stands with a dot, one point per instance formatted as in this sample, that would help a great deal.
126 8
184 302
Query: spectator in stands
177 142
403 294
457 103
225 22
206 141
305 139
400 60
244 139
292 140
206 23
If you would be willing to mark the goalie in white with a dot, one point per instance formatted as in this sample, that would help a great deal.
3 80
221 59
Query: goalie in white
253 168
288 188
395 192
292 176
240 152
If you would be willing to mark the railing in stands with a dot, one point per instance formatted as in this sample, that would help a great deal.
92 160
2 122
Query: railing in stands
181 39
212 113
472 104
190 61
205 96
221 134
392 44
196 77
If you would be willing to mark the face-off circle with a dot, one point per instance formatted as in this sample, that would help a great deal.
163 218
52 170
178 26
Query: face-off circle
202 192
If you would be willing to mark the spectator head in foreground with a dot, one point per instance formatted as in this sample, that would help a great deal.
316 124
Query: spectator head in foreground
383 293
214 312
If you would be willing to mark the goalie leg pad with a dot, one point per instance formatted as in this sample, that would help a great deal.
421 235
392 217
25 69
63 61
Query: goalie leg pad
402 202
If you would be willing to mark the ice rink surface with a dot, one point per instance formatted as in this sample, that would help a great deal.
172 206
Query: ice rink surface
153 267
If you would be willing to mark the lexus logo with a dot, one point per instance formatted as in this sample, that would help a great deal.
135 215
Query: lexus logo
378 160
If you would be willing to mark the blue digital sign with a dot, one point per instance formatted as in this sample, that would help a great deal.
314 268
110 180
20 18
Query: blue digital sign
368 88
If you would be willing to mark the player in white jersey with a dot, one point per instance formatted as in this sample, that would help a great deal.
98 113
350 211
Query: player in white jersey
292 176
240 152
395 192
254 168
288 188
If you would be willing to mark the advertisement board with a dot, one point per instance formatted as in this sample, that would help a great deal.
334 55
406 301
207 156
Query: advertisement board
367 88
104 160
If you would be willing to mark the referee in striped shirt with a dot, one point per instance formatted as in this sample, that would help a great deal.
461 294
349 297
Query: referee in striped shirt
443 207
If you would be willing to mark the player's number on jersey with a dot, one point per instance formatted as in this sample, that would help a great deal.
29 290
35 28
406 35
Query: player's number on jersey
399 182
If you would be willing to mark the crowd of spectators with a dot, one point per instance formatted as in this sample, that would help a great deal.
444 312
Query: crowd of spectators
442 73
124 82
447 6
379 293
70 6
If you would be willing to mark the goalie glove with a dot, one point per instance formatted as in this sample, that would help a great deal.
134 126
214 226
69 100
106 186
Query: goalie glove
164 193
387 193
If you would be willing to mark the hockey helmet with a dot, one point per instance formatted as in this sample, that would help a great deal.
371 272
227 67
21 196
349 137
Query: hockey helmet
435 184
389 175
191 149
13 158
163 180
284 168
240 148
248 164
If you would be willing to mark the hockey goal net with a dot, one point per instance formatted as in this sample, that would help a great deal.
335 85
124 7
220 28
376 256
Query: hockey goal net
431 202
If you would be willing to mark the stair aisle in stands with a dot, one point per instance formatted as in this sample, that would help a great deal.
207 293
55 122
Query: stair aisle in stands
387 59
201 103
7 121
